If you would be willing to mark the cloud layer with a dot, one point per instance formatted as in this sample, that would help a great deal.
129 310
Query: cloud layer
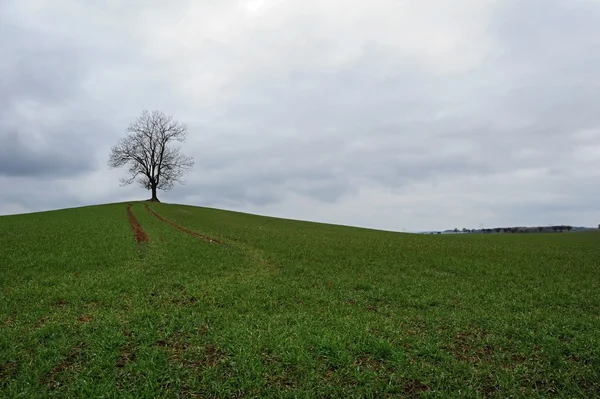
394 115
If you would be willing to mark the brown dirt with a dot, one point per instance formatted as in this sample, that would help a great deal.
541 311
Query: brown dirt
126 355
138 233
367 362
76 359
414 389
213 355
42 321
61 302
190 232
183 298
184 301
126 351
470 347
277 373
84 318
490 390
8 371
177 348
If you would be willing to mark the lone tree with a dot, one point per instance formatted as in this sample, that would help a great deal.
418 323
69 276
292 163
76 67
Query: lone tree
148 152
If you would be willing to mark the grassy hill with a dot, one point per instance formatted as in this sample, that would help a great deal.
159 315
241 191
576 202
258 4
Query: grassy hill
284 308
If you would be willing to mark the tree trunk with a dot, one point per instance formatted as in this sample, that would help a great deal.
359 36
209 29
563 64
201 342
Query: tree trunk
154 197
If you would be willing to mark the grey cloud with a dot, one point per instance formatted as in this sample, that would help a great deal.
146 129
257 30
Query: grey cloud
56 159
350 131
390 134
51 125
379 123
540 29
38 78
230 194
548 57
45 70
263 180
43 195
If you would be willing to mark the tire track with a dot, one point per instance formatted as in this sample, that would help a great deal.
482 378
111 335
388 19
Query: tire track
139 234
190 232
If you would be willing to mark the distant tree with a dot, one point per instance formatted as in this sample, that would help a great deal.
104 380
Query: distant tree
456 230
149 153
464 230
569 228
498 229
555 228
540 229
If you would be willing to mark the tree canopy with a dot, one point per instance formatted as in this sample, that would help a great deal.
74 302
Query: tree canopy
148 152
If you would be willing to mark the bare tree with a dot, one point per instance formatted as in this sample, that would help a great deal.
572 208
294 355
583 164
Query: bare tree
148 152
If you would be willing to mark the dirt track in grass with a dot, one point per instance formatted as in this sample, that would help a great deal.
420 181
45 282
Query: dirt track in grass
190 232
139 234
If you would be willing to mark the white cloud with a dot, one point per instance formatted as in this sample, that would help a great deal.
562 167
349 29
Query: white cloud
212 48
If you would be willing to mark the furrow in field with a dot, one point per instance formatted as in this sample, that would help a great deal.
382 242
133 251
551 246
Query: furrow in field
190 232
138 232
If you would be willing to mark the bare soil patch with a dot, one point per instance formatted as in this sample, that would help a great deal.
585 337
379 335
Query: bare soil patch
414 389
126 355
7 372
73 362
470 347
84 318
181 351
138 233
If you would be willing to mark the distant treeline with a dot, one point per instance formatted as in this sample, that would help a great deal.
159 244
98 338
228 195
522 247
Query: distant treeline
520 229
512 230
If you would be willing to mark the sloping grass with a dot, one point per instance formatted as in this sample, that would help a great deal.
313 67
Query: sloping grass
290 309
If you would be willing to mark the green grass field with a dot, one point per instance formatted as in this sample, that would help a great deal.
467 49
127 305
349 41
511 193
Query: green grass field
290 309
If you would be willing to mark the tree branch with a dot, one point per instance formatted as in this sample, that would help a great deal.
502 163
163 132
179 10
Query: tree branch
148 152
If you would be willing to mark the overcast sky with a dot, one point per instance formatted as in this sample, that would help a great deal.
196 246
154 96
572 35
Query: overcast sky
391 114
